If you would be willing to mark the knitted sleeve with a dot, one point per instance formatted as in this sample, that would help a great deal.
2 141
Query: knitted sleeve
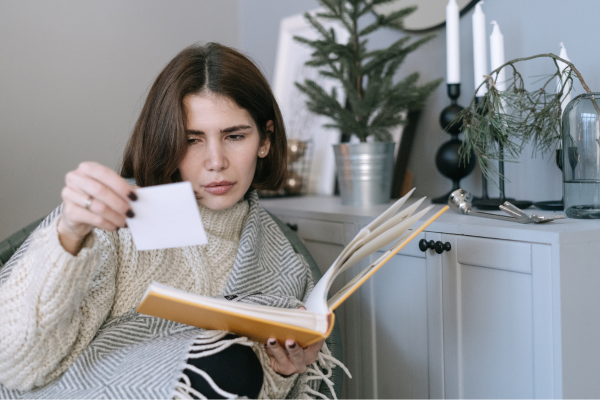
52 305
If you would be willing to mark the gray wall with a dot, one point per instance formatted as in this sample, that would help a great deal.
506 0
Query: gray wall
259 28
529 27
73 77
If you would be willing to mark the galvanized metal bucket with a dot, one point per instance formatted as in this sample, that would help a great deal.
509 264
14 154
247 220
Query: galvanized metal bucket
365 172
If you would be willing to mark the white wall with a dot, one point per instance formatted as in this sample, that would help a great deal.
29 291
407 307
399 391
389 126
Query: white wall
73 77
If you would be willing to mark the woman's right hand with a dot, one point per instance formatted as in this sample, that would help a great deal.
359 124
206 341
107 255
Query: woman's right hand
106 195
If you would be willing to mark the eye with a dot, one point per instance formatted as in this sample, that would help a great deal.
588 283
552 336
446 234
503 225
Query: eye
192 141
235 138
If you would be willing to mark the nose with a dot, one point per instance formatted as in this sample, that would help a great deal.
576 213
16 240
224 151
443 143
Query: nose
215 158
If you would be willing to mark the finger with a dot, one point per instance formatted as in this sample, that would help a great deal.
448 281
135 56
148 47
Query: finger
296 355
280 361
275 350
98 190
311 353
81 215
104 174
96 206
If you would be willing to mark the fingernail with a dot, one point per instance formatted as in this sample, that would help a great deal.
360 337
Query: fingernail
126 225
293 345
272 342
118 228
130 214
132 196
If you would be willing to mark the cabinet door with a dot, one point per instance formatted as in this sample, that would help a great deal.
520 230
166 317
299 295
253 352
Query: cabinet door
394 337
399 327
325 240
487 318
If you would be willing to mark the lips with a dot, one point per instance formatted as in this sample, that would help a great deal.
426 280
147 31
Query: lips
219 188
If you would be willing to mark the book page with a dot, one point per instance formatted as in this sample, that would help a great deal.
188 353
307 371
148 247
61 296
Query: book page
383 239
364 275
318 298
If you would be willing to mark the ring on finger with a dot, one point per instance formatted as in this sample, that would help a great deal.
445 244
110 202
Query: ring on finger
88 203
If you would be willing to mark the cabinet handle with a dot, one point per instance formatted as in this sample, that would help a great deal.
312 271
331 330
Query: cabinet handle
424 245
438 246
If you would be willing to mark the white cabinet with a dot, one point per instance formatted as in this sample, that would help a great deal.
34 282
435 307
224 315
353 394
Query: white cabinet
511 311
488 310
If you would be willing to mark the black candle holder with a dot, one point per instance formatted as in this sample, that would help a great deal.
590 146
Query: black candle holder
447 159
485 202
484 183
494 204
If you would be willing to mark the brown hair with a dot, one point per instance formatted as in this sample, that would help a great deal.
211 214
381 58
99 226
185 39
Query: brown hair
158 142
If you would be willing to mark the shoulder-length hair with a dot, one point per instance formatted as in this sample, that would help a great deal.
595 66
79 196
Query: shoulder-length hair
158 142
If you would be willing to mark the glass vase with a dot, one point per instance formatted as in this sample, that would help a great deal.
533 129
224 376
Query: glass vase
581 156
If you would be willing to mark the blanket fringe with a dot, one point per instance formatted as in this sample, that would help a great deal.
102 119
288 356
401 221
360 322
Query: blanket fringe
322 369
206 344
264 361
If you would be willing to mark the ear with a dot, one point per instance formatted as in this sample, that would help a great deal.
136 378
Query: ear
263 149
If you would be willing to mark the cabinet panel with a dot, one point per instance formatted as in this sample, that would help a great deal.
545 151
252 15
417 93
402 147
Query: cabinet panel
497 338
488 330
400 316
321 231
501 254
412 247
324 254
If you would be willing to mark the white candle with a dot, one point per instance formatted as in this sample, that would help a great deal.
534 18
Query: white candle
497 55
452 43
479 49
562 66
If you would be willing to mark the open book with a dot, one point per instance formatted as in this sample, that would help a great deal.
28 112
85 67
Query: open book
259 322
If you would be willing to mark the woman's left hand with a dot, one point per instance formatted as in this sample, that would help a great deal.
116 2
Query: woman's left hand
292 358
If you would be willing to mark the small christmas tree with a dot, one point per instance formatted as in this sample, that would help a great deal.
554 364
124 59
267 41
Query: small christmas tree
374 103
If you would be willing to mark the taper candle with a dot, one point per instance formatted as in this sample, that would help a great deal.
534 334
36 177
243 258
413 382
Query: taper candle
497 55
479 49
452 43
562 66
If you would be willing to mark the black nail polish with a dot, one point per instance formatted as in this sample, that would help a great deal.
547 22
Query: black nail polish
132 196
272 342
130 214
118 228
292 346
126 225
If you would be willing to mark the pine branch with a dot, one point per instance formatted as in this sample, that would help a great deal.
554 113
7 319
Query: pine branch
516 117
375 103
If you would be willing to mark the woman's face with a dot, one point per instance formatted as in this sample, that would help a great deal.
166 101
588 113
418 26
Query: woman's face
223 147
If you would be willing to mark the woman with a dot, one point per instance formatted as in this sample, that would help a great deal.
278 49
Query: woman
211 119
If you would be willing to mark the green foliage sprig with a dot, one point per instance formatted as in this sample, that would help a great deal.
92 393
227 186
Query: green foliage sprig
374 103
503 122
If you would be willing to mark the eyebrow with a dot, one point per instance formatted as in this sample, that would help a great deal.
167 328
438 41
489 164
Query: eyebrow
226 130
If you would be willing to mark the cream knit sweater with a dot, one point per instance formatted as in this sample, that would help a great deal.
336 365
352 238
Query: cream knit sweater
54 302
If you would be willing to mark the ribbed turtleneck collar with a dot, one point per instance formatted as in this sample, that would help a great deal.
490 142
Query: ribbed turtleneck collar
225 224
